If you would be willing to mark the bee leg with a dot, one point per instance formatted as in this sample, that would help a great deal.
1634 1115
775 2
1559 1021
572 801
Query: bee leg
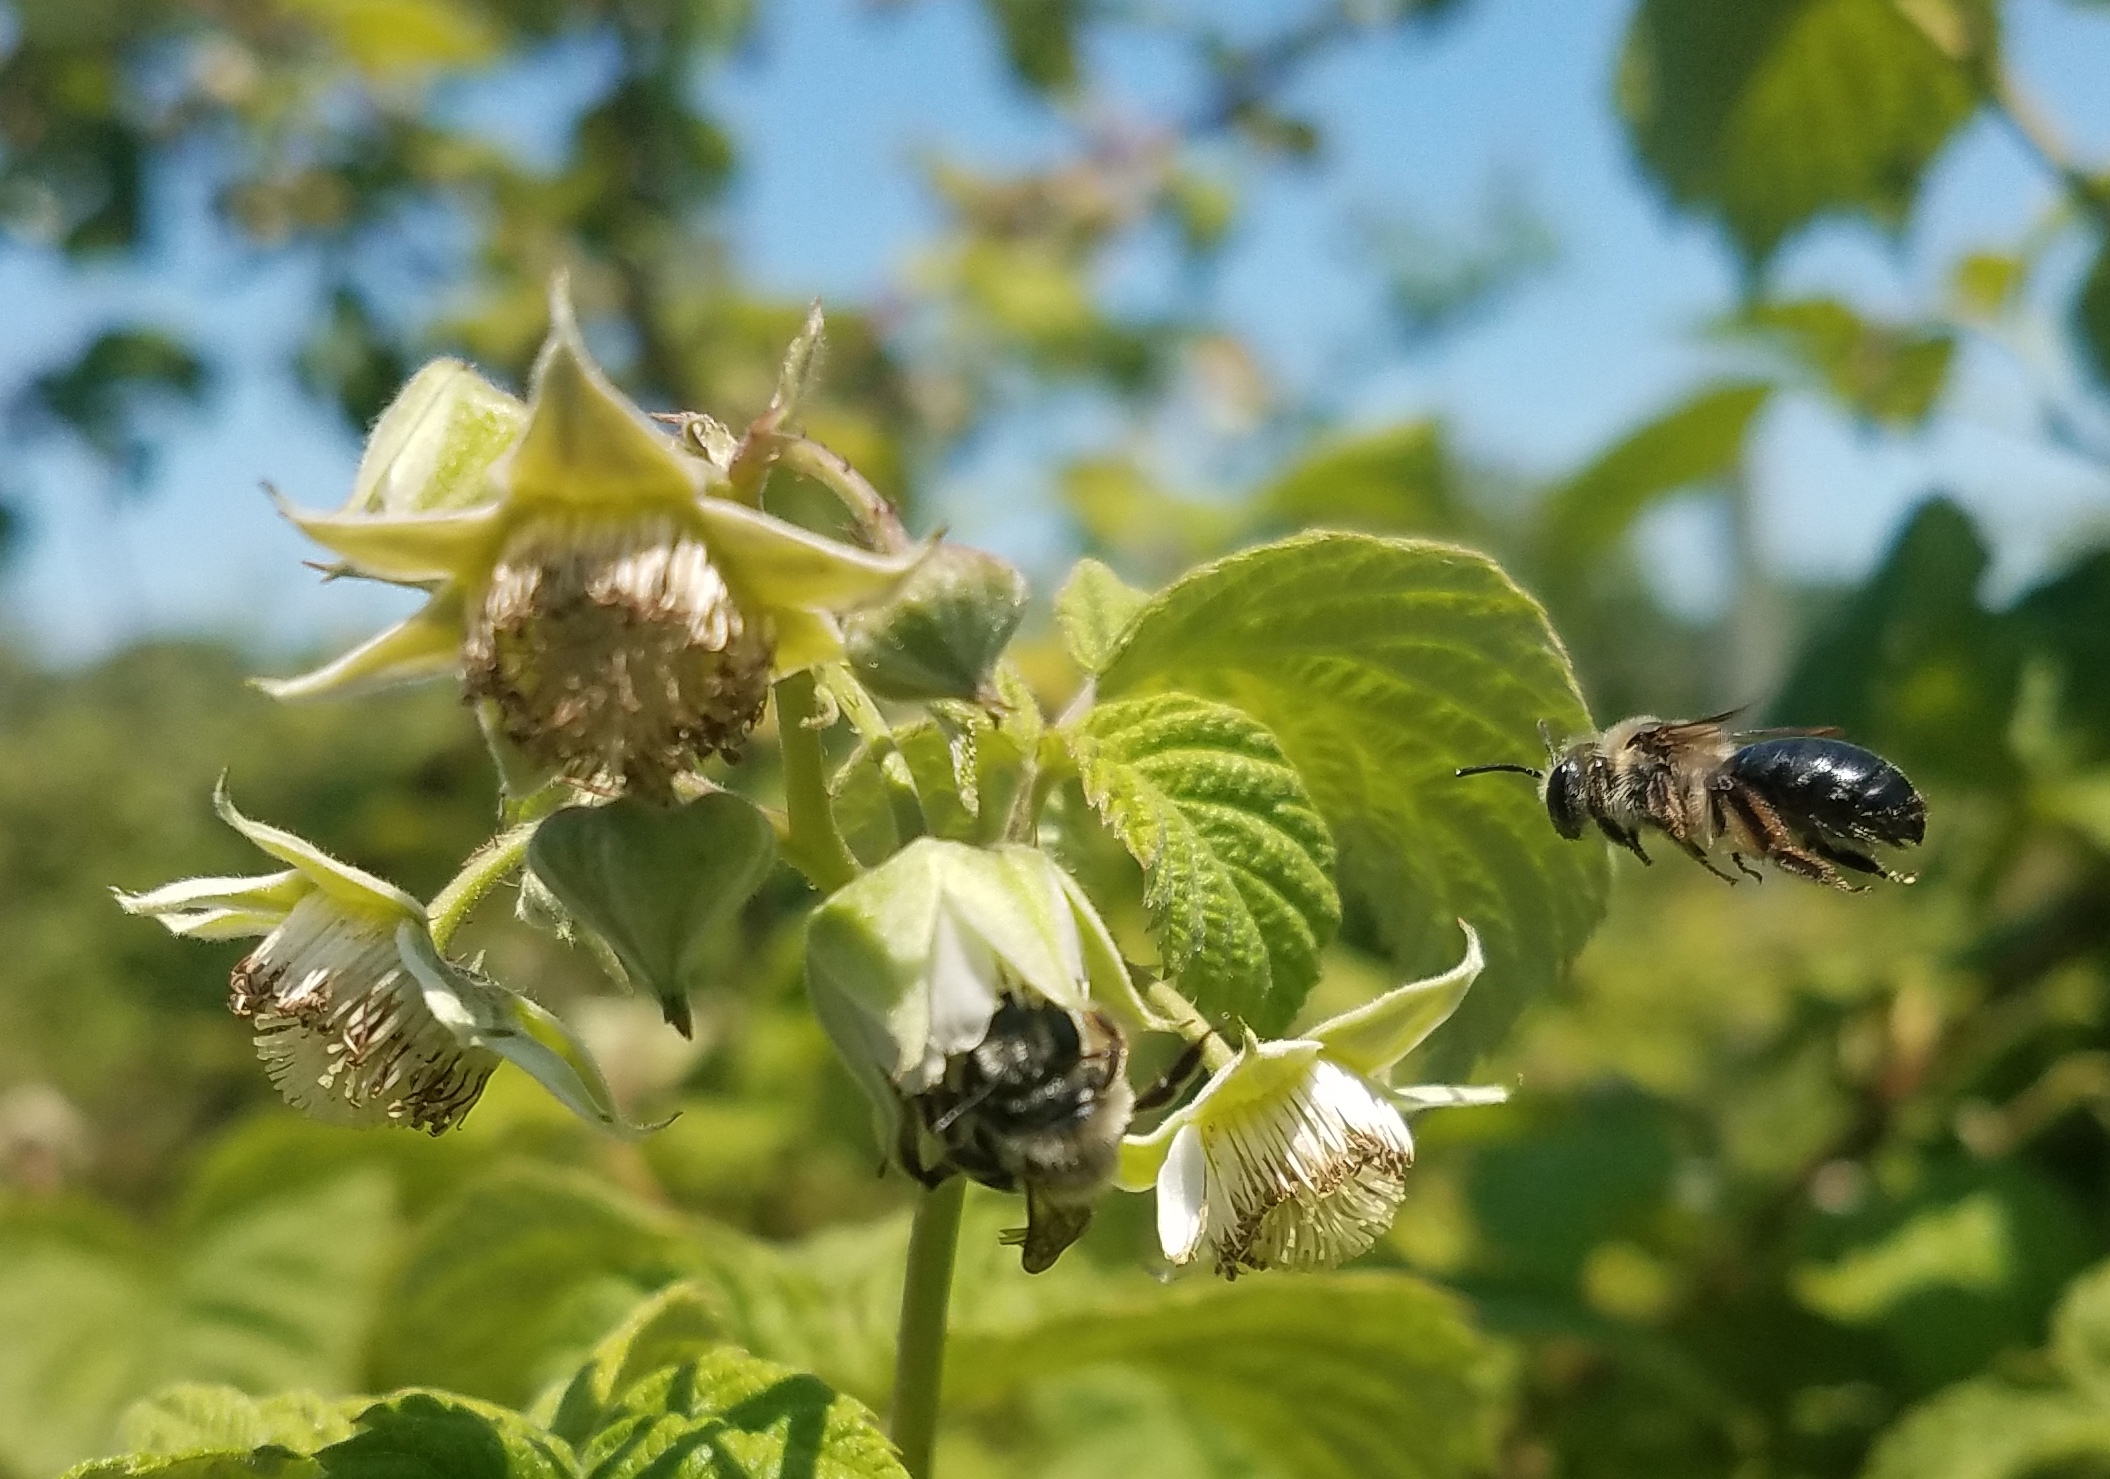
909 1151
1629 840
1773 838
1745 868
1698 854
1169 1083
1854 858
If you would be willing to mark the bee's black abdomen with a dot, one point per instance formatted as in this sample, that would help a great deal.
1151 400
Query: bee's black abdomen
1839 788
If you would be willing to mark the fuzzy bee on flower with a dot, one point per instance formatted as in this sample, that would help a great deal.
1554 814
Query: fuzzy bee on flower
614 610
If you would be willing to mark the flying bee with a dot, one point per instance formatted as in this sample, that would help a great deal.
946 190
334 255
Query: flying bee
1038 1106
1801 799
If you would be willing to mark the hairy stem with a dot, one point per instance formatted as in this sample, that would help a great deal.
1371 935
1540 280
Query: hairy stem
1190 1024
487 867
919 1356
812 844
833 471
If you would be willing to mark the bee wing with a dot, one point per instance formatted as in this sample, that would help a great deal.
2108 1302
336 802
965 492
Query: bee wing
1786 731
1667 740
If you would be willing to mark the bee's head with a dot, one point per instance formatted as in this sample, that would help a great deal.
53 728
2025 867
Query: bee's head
1560 783
1562 792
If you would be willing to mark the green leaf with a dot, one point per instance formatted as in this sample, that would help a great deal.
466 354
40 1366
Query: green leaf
1331 1376
267 1463
941 633
1913 665
1237 863
2091 317
439 1435
653 882
2080 1331
723 1414
672 1326
1770 113
1988 1430
194 1417
275 1295
1093 608
1397 481
504 1290
1886 373
1696 442
1382 665
1040 39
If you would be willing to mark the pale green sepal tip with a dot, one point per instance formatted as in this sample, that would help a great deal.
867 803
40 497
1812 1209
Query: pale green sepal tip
526 1035
779 565
219 908
1377 1034
352 887
1413 1098
407 548
426 644
1103 966
585 442
432 447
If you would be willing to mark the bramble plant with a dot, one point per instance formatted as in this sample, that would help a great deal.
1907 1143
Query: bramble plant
1265 742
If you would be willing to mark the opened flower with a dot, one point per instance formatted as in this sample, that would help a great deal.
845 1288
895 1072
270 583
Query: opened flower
1294 1155
620 613
359 1019
959 982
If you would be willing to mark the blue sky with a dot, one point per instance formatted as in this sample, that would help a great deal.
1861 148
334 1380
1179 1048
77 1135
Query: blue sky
832 105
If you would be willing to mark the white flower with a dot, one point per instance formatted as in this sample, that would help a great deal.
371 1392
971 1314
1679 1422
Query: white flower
1295 1154
359 1019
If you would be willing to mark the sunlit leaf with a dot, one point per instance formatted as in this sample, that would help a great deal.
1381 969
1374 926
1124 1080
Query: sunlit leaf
1697 442
1397 481
1335 1376
275 1296
1238 866
392 38
1093 608
439 1435
1380 666
1883 372
193 1417
1770 113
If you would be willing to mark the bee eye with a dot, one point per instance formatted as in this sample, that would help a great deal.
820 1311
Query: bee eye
1564 798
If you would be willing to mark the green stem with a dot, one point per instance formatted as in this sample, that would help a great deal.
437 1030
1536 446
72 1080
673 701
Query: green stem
833 471
1190 1024
486 869
919 1357
813 845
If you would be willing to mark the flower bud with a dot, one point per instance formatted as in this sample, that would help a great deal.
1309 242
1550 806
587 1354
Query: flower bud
941 633
958 985
652 883
434 445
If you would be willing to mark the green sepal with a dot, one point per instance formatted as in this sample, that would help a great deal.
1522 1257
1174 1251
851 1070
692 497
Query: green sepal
1093 608
941 633
434 444
653 882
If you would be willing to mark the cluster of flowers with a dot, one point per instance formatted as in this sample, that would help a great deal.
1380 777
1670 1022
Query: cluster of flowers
616 609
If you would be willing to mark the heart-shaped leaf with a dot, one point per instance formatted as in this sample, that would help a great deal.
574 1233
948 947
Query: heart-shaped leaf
654 881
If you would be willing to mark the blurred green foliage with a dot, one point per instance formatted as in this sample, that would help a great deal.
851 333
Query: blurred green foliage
1796 1183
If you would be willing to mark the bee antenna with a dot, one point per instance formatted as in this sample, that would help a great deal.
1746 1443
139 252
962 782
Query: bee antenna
1531 770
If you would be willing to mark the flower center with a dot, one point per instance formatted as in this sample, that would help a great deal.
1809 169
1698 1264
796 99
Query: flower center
343 1029
1308 1179
617 652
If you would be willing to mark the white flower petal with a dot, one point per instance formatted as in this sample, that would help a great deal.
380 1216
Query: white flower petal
1182 1187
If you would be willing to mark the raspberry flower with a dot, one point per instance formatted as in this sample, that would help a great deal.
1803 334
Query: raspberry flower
620 613
359 1019
1295 1154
